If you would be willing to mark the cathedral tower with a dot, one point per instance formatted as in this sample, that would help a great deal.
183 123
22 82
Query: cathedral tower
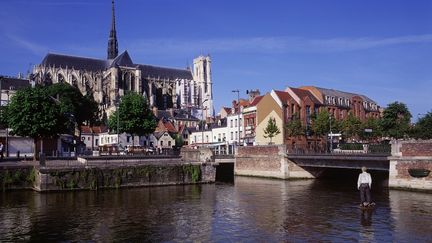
112 41
202 74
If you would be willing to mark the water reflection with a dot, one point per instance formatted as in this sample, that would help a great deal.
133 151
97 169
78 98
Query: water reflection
250 210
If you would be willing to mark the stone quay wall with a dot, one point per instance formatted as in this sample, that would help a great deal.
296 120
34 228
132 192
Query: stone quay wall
406 155
17 177
99 177
267 161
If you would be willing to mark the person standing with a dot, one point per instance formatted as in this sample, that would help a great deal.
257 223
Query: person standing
364 184
1 151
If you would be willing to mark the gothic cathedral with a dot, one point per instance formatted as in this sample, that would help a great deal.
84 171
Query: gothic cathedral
109 79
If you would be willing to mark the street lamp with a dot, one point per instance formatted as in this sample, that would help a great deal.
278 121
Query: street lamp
238 114
331 134
202 122
117 105
7 129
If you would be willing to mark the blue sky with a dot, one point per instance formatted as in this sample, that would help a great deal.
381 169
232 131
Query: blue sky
382 49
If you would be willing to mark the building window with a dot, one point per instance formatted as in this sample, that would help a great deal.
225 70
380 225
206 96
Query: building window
231 122
240 122
96 142
161 143
232 136
207 138
236 135
235 123
128 139
169 143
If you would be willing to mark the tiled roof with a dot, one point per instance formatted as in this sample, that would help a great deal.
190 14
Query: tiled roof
164 72
305 93
256 100
338 93
92 64
122 60
79 63
165 126
283 96
184 115
10 83
227 109
94 129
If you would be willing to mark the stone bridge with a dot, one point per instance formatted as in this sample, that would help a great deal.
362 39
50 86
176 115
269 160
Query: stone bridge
408 165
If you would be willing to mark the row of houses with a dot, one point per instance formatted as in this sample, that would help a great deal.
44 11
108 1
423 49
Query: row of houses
171 124
244 123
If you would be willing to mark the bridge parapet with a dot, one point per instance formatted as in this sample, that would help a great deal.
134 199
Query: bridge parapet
411 164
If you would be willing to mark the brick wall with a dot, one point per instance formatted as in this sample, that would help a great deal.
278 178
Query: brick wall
258 158
410 154
403 166
257 150
416 149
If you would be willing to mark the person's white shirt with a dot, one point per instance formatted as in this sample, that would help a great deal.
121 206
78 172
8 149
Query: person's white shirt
364 177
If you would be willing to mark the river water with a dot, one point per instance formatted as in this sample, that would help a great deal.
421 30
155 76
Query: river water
249 210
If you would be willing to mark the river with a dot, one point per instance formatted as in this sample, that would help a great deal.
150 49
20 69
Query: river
251 210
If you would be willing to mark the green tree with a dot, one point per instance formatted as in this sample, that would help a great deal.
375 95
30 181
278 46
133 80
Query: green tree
423 127
321 123
33 113
271 130
373 129
135 117
351 126
3 117
179 141
294 127
80 109
395 122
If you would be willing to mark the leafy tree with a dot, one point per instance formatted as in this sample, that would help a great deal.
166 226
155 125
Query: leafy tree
135 116
80 109
3 117
179 141
271 130
33 113
321 123
374 125
294 127
396 120
351 126
423 127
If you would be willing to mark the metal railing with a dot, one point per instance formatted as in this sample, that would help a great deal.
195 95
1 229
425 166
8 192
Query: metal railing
342 149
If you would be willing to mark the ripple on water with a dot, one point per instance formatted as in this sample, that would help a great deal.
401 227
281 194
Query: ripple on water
251 210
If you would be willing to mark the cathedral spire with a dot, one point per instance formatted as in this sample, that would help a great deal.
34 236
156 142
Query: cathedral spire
112 41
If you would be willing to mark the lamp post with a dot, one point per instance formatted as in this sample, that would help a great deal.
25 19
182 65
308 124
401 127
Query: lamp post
118 122
238 114
7 129
202 122
331 134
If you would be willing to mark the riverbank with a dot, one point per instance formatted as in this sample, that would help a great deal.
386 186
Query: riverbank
96 174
